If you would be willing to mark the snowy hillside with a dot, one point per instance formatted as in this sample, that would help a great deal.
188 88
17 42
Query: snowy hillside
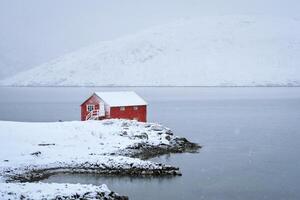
209 51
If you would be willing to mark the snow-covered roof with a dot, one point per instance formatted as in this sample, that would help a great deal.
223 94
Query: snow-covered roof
124 98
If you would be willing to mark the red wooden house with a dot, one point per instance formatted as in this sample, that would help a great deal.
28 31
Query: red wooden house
120 105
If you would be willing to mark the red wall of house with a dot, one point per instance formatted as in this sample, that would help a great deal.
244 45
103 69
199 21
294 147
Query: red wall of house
130 113
93 100
115 112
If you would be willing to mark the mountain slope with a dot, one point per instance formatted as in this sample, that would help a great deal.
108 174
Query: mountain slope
210 51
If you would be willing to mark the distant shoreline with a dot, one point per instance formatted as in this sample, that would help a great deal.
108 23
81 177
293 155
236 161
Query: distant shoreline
123 86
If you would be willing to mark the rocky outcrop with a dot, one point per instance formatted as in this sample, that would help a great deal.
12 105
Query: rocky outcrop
40 174
146 151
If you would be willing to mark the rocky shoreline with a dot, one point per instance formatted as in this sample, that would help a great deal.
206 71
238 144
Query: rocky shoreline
33 191
140 150
41 174
145 140
145 151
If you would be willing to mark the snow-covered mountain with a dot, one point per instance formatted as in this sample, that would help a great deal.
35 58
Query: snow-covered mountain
209 51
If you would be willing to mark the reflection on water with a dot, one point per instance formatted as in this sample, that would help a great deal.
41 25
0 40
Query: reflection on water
134 187
251 139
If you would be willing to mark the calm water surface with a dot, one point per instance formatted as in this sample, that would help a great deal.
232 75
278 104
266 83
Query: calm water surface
251 139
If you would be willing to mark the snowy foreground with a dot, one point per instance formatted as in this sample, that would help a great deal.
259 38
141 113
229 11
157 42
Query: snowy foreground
55 191
34 151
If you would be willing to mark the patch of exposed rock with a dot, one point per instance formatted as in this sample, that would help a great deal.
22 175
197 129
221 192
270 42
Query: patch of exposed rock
145 150
40 174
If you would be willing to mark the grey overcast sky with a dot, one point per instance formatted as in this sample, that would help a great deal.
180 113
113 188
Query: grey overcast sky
36 31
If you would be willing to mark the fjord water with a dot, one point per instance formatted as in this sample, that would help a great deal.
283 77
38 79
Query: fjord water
250 138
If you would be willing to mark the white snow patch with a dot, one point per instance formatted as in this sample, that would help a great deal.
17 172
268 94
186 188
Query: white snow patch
124 98
68 142
36 191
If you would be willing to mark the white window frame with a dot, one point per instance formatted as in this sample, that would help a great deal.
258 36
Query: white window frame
135 107
90 105
122 108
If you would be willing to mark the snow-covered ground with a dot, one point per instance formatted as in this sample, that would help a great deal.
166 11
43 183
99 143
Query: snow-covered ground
208 51
30 151
36 191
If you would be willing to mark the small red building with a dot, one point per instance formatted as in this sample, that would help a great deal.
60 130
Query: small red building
120 105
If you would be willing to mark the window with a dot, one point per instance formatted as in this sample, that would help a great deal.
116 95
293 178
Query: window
122 108
90 108
135 107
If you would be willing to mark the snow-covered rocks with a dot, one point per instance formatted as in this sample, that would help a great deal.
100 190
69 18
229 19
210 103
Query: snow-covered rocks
101 165
34 151
36 191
